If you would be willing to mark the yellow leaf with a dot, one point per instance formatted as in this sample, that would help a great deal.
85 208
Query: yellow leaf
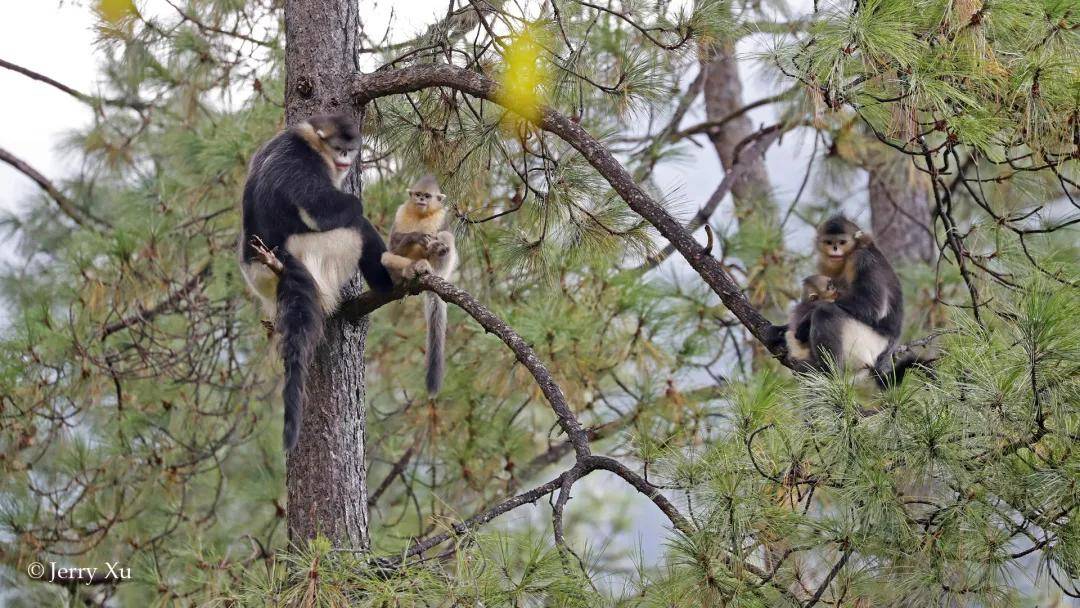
524 75
115 10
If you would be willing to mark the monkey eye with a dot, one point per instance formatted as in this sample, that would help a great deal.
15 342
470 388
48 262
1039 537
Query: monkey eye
841 243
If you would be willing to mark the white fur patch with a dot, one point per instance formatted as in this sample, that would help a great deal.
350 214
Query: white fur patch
884 306
796 349
339 176
263 282
331 257
308 220
861 345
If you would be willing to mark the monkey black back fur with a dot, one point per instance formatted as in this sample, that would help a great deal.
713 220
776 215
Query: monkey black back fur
293 202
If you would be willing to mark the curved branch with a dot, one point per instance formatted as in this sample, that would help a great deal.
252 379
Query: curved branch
83 97
524 352
366 87
67 206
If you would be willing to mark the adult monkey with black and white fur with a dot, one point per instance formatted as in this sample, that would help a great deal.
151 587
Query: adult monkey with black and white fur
294 207
420 245
860 329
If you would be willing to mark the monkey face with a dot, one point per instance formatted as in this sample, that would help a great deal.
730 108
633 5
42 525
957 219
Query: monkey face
836 247
819 287
340 139
427 201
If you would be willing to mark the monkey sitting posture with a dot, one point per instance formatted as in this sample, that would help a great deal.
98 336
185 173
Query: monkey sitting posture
293 206
817 289
420 245
861 328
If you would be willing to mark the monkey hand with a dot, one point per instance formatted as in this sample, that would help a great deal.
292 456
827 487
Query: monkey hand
436 248
417 268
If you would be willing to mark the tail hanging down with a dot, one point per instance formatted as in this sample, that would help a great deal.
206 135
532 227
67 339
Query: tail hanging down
300 321
435 313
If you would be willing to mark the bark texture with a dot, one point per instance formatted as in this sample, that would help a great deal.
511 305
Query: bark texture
900 210
326 473
723 97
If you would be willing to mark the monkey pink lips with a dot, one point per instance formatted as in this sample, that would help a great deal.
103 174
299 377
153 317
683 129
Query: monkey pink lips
342 166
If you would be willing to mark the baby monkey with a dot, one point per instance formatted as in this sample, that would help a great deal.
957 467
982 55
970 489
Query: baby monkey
817 288
420 245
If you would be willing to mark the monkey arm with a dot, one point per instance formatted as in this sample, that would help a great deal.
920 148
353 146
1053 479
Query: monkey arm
400 240
866 298
802 331
329 207
395 263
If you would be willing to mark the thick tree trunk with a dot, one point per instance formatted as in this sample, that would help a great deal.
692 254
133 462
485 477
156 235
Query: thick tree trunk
900 209
326 473
723 96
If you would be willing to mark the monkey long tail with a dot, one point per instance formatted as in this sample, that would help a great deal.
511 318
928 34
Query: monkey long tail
300 321
435 312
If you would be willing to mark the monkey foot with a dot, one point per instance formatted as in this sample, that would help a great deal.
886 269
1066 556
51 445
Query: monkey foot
268 325
417 268
437 248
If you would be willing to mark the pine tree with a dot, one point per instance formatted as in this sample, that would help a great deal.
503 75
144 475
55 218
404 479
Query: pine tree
597 350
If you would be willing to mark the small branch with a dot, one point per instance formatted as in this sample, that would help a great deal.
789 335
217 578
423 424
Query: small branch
829 578
67 206
83 97
476 520
367 87
524 352
165 305
396 470
266 256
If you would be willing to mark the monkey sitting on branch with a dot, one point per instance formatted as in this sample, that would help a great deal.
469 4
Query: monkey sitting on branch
860 328
420 245
304 239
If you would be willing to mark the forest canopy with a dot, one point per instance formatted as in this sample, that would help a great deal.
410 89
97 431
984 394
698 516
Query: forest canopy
633 187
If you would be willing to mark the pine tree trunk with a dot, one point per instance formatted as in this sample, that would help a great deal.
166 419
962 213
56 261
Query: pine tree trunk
752 191
326 473
900 209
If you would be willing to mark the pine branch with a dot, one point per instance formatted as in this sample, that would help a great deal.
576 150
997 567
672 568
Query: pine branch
67 206
366 87
165 305
83 97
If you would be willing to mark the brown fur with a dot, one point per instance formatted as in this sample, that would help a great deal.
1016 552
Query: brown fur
419 245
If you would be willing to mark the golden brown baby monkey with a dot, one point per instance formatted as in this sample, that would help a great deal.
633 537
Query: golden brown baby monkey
420 245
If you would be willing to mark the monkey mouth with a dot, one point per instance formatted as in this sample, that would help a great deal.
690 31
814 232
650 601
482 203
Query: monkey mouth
342 166
836 256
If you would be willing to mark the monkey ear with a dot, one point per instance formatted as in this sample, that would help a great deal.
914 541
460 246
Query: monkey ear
812 297
441 197
859 235
320 133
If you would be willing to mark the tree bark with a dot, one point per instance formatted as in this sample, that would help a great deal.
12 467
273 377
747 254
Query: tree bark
900 209
751 189
326 473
